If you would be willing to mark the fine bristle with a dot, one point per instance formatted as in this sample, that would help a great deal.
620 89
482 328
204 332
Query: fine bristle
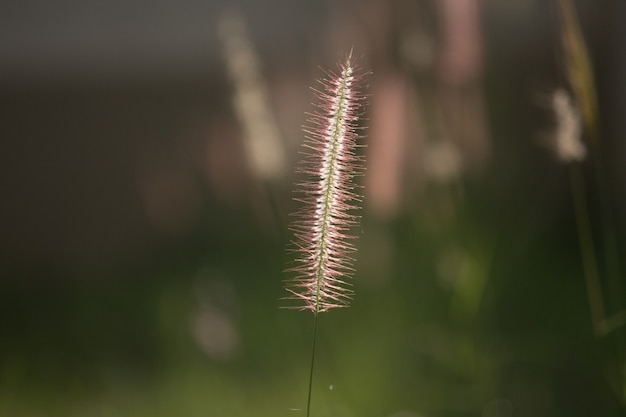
328 195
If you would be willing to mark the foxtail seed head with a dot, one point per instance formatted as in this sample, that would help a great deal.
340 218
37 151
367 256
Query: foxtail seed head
321 228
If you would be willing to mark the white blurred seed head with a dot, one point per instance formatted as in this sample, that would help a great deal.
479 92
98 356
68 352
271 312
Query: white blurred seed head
262 141
567 141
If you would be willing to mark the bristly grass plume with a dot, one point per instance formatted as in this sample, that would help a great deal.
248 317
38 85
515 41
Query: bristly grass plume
328 194
329 199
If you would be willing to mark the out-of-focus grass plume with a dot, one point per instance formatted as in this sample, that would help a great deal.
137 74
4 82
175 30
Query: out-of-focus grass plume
578 66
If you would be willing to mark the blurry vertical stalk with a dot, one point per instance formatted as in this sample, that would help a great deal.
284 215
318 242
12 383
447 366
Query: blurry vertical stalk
569 148
580 76
587 251
321 229
578 67
262 141
602 325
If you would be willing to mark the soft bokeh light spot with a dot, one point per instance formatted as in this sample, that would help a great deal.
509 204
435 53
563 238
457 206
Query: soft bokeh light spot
215 334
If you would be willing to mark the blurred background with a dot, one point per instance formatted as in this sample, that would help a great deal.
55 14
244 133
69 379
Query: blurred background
147 159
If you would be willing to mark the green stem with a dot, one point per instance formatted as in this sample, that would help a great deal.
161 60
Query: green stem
308 402
611 244
587 252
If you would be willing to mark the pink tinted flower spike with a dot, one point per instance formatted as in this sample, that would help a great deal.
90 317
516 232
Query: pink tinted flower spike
321 229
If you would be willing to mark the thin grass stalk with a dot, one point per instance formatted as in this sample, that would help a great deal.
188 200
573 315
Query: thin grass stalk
579 70
308 401
587 251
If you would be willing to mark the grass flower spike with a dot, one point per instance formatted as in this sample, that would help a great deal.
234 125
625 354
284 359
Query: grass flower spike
321 228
